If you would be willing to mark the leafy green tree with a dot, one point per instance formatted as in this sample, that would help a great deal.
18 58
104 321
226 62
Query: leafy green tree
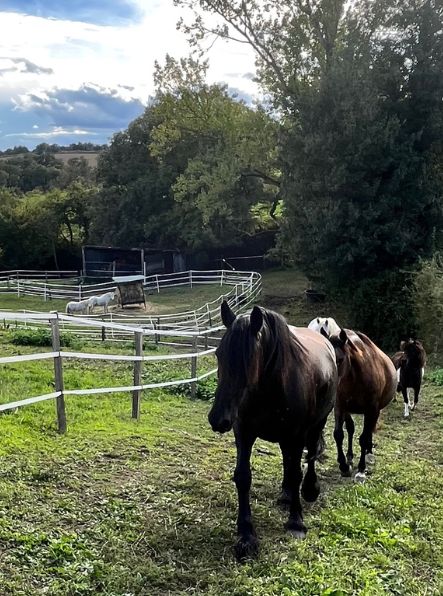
227 150
358 92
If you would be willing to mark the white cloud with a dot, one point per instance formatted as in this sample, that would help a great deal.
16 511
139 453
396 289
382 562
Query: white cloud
107 55
57 131
43 61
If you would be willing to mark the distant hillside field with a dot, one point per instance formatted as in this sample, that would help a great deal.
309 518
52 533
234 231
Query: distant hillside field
90 156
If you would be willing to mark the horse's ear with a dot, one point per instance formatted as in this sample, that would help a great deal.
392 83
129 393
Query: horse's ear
326 322
227 316
318 320
343 337
256 320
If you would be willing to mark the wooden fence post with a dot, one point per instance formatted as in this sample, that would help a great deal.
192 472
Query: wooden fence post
194 366
190 278
58 374
136 393
158 328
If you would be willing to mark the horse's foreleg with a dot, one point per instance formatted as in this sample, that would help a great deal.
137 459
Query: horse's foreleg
285 496
247 543
404 391
294 477
416 394
370 421
310 488
345 469
350 427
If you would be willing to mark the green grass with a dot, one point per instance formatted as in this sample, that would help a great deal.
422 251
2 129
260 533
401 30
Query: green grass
120 507
148 508
283 291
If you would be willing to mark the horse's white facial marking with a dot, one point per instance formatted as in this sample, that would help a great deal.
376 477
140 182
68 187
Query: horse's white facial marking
398 375
422 373
406 411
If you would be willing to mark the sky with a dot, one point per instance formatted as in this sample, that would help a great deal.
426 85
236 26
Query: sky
80 70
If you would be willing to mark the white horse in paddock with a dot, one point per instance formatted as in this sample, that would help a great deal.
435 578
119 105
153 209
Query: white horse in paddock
328 324
81 307
102 300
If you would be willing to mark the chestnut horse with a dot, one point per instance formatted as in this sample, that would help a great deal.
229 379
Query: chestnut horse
277 383
410 364
367 383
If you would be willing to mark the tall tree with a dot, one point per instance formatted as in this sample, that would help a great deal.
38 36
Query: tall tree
357 88
227 151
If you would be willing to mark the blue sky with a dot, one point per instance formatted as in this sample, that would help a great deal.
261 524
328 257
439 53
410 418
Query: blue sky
80 70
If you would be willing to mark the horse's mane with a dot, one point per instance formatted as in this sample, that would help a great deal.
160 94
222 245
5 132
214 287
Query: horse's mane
365 340
418 355
282 347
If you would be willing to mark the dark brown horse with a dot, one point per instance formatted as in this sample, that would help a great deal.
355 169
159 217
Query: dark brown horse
410 364
366 385
277 383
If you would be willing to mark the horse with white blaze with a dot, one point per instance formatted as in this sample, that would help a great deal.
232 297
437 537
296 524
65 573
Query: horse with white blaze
327 324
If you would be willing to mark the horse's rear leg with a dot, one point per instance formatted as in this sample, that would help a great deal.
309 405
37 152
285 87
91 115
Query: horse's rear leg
345 468
310 488
350 427
247 544
292 455
369 424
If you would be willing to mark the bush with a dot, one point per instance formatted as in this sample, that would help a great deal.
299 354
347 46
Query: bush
436 377
428 298
383 307
205 389
38 337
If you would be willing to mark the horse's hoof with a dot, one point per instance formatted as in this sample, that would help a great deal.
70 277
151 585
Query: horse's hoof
360 478
370 459
298 534
346 472
284 499
296 528
246 548
310 492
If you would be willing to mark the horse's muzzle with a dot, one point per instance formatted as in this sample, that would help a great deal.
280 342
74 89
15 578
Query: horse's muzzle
219 425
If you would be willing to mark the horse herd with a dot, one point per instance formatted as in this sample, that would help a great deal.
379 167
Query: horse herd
279 383
87 305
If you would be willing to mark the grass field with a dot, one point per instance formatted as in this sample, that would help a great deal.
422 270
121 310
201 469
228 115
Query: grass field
118 507
169 300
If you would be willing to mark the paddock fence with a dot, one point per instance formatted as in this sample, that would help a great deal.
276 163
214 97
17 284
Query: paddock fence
201 335
240 288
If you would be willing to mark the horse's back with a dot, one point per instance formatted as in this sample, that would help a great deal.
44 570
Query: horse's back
373 370
319 353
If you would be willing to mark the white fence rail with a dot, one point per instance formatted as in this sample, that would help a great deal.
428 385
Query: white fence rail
190 329
58 355
243 288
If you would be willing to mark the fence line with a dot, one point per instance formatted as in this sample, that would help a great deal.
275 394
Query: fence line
239 297
244 289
